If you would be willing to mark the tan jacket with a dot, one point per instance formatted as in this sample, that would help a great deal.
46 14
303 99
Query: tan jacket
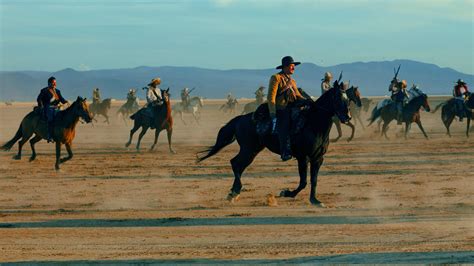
277 89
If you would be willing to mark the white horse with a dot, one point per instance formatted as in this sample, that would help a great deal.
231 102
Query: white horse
194 108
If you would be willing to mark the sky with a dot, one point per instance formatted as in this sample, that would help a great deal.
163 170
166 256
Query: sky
232 34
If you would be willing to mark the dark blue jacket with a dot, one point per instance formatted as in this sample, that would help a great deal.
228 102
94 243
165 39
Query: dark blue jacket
45 98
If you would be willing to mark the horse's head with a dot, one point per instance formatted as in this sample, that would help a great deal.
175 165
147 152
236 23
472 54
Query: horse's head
470 100
81 109
425 103
335 101
165 95
354 95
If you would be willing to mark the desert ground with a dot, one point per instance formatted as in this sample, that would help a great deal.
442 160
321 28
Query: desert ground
387 201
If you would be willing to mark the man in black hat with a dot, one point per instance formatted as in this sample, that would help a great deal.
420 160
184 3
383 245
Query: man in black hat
460 92
282 90
49 100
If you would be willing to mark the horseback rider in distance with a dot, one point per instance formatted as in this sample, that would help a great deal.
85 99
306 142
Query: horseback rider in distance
260 94
185 98
96 96
282 90
153 97
326 82
48 100
460 91
399 95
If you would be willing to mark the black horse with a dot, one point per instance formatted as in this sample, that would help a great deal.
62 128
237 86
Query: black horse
308 146
448 112
353 96
410 114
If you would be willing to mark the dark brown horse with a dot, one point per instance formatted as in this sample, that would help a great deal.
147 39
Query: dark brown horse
308 146
101 108
162 119
353 96
63 133
448 112
410 114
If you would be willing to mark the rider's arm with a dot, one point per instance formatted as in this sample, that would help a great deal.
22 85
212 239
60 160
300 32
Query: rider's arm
38 99
272 93
61 99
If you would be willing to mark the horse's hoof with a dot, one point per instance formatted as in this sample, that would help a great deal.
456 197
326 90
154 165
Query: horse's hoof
127 144
349 139
317 203
16 157
286 193
172 151
32 159
56 167
233 197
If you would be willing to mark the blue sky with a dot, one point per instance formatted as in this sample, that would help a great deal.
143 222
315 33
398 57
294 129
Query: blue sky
228 34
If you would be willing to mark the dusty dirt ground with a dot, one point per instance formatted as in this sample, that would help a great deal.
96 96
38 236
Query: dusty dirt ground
395 198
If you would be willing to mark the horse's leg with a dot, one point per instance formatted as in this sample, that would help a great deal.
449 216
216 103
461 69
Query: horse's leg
69 154
337 123
181 116
418 122
314 170
169 132
239 163
358 117
22 142
33 141
142 133
58 155
407 128
195 117
349 124
378 125
303 171
384 129
132 131
467 127
447 123
107 119
157 134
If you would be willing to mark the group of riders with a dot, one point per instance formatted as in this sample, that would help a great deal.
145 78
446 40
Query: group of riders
282 91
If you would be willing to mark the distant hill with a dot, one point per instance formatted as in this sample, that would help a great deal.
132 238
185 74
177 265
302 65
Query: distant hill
371 77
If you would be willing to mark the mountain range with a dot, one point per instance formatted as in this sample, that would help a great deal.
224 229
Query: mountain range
372 78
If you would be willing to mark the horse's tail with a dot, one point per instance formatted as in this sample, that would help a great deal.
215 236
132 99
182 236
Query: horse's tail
7 146
437 107
225 137
375 114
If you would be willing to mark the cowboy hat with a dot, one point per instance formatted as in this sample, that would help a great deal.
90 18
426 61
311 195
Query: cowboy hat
286 61
155 81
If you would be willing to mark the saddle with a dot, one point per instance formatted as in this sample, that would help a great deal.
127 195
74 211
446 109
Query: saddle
263 122
42 113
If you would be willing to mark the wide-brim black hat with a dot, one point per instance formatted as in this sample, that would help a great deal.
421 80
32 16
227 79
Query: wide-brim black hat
286 61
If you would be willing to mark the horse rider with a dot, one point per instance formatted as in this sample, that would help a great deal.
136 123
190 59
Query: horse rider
399 96
48 100
282 90
153 97
185 98
96 96
460 92
326 82
260 95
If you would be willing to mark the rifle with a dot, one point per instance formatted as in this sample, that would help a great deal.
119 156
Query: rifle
396 72
191 90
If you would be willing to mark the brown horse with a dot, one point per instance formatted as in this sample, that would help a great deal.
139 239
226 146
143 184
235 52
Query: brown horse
410 114
162 120
63 133
448 112
101 108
